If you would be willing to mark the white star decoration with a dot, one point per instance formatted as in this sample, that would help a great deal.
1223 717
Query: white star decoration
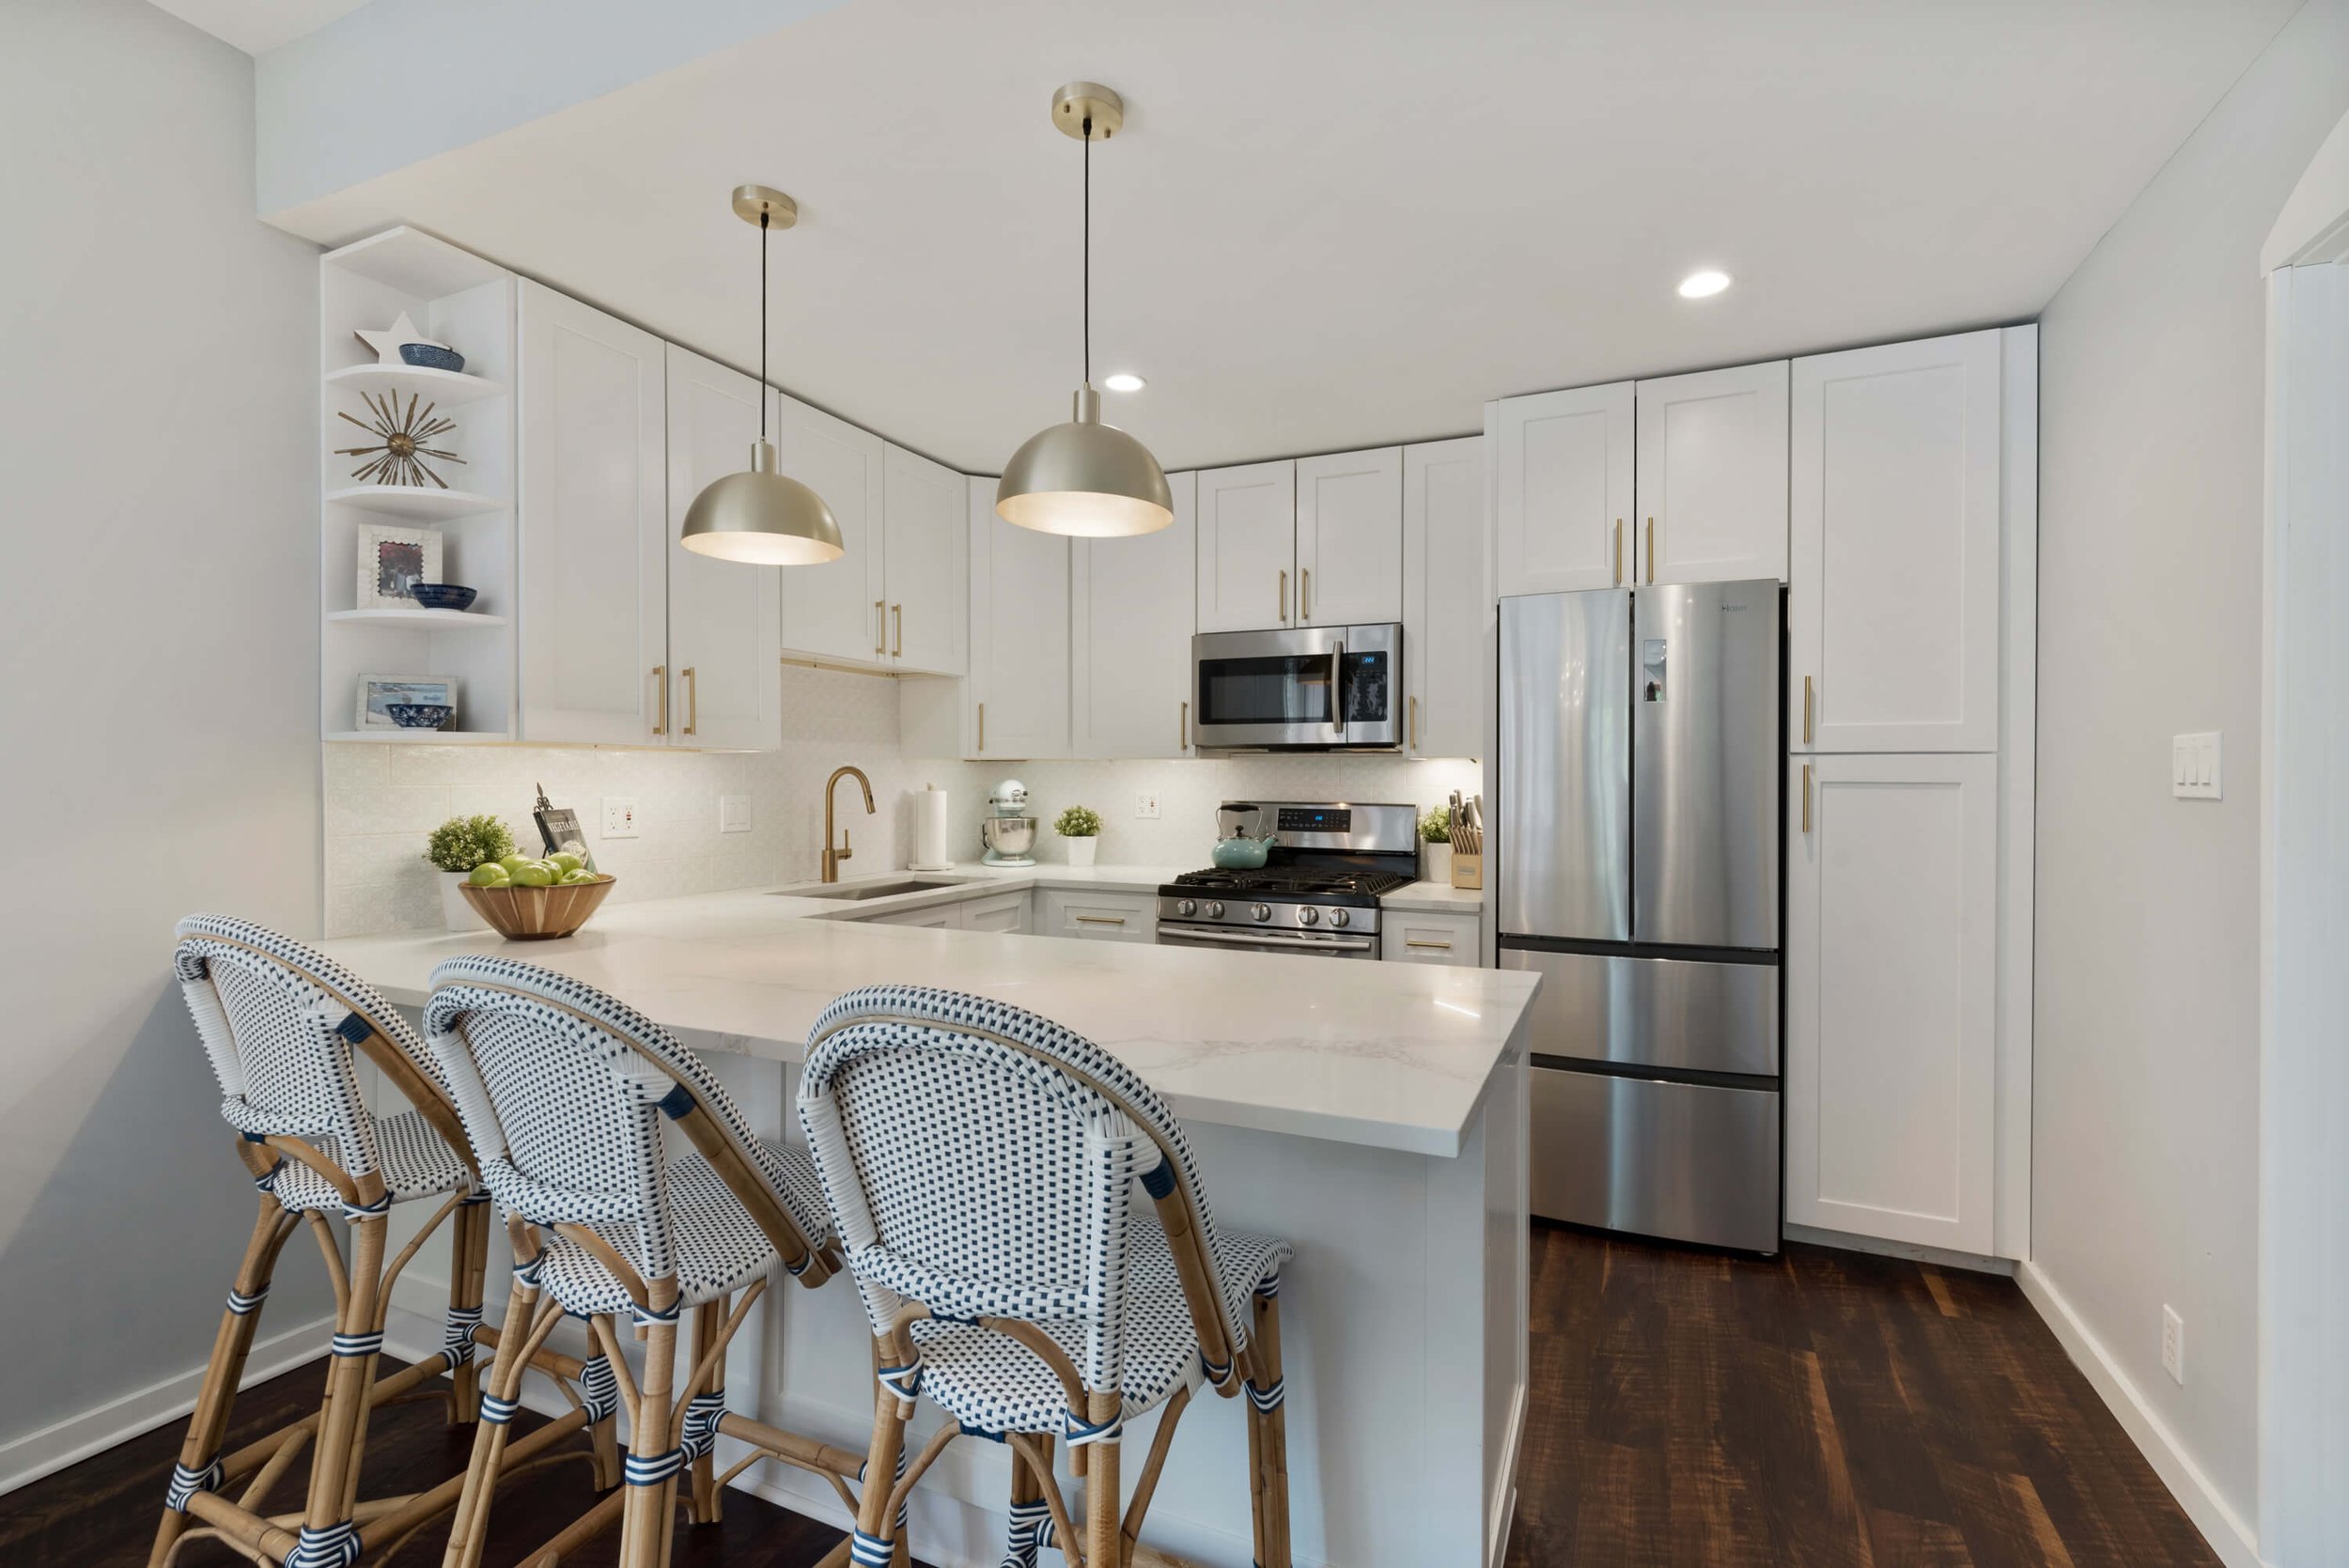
387 343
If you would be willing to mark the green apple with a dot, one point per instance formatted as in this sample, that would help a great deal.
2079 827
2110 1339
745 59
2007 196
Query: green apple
511 863
575 878
488 874
564 860
533 874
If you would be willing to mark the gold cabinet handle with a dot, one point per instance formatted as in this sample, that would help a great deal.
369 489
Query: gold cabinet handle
981 726
1806 710
1619 553
1101 920
1182 728
660 682
880 628
1651 550
1284 594
897 616
1414 724
1806 797
692 702
1304 593
1414 942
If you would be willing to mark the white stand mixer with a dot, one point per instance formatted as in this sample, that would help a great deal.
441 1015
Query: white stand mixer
1007 829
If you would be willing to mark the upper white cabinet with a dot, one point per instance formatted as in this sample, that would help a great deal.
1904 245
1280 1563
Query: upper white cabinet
1444 607
1246 547
591 428
1130 618
1349 537
1891 993
1018 685
723 688
1564 491
838 610
1894 619
1712 476
924 564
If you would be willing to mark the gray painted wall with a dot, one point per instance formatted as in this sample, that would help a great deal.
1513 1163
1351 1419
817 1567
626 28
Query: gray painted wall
159 635
2145 1126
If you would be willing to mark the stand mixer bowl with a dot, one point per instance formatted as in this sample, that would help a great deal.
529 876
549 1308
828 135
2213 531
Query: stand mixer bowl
1007 838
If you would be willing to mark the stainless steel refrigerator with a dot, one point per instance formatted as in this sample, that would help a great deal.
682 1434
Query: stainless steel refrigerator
1639 823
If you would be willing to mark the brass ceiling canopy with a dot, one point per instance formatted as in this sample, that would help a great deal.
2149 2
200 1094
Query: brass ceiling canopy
1088 112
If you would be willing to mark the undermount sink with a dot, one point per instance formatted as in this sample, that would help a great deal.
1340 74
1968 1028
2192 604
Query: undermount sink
860 891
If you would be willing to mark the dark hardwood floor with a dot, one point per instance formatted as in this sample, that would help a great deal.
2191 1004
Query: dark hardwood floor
1822 1409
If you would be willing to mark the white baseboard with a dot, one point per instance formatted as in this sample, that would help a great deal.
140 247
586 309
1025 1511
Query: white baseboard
2235 1542
1915 1251
26 1459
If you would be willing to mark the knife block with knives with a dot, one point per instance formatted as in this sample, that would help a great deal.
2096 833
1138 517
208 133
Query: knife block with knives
1467 840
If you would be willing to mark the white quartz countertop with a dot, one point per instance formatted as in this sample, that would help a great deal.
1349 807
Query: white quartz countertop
1387 1055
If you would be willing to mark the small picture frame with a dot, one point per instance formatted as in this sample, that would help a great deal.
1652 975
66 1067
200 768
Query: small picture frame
392 561
377 692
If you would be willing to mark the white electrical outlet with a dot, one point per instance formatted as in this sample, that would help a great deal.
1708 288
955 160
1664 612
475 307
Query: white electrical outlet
619 817
2172 1343
734 814
2194 766
1147 805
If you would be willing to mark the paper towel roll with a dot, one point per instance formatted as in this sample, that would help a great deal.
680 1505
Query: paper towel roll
930 850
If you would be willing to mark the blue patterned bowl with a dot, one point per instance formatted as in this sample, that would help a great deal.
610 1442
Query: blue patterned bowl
431 356
445 596
420 716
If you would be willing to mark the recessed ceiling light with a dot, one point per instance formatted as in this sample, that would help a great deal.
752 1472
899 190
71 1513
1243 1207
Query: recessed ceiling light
1124 380
1699 285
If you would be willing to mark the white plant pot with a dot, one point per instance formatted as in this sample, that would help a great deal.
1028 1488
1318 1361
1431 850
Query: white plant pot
1435 862
455 911
1081 850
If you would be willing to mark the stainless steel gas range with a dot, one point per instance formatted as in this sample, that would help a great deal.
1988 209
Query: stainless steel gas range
1318 893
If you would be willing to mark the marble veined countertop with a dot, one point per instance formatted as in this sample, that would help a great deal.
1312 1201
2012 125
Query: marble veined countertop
1392 1056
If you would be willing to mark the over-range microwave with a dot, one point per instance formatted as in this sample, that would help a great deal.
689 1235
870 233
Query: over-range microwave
1302 689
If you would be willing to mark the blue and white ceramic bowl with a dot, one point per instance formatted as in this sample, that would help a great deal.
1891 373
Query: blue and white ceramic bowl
445 596
431 356
420 716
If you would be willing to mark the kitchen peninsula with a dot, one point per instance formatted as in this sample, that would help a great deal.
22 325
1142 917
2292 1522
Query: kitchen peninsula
1371 1113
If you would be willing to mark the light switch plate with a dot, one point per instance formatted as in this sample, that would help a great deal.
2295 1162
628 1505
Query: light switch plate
619 817
2194 769
734 814
1147 805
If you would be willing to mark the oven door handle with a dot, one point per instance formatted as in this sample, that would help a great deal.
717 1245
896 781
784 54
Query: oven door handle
1337 690
1266 939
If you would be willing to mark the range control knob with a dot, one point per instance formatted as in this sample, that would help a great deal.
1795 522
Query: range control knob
1309 916
1215 908
1261 911
1341 917
1185 908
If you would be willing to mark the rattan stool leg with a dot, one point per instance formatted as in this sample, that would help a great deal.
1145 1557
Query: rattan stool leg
702 1500
470 1526
468 1274
648 1514
873 1544
326 1519
1267 1435
1105 1509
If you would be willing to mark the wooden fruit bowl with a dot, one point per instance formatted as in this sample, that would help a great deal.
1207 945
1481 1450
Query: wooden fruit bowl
536 914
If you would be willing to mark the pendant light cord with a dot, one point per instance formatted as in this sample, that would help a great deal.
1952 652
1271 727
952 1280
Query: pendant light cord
1088 249
762 324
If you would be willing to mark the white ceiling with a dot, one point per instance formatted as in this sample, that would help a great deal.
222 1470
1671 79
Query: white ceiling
257 27
1335 224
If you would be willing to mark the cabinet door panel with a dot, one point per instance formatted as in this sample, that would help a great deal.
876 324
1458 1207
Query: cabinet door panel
829 611
1349 537
1564 495
1004 911
1444 609
1246 547
1712 476
722 615
1894 613
594 601
1131 621
926 557
1891 982
1019 635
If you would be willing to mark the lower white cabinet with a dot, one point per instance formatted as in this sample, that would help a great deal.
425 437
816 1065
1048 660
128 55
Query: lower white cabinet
1113 917
1001 912
943 916
1131 615
1892 992
1428 938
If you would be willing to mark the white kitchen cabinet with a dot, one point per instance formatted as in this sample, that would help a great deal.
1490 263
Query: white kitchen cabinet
722 625
937 917
1429 938
1001 912
1130 620
1017 692
1711 476
1444 608
1246 547
590 424
1564 496
1894 614
1349 537
924 564
838 610
1892 992
1102 917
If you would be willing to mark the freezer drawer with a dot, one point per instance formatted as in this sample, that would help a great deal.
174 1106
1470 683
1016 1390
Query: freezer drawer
1652 1012
1686 1162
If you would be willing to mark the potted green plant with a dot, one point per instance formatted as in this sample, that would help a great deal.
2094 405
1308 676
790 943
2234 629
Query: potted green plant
1435 857
1081 827
454 849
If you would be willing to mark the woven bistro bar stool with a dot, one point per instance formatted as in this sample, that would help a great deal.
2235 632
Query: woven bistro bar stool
564 1091
980 1162
280 1024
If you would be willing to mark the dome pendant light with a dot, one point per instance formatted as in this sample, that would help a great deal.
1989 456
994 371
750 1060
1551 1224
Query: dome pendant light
761 517
1085 478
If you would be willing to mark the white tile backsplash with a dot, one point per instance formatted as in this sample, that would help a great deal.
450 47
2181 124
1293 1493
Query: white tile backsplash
382 798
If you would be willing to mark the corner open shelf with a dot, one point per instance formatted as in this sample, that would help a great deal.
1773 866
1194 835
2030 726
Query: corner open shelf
445 388
420 619
417 501
423 738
